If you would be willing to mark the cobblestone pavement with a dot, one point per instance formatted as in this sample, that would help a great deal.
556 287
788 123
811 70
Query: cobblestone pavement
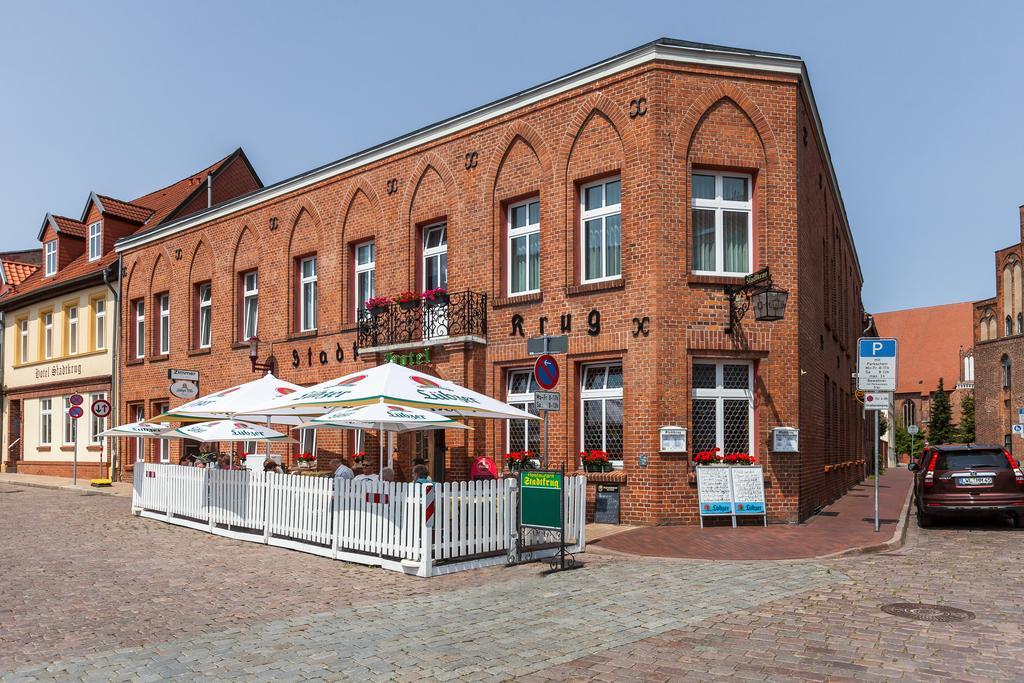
89 592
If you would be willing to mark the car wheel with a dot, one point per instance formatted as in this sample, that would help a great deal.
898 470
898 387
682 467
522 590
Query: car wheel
1017 521
924 520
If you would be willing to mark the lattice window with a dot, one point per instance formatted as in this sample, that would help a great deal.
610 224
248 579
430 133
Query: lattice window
723 408
601 394
523 434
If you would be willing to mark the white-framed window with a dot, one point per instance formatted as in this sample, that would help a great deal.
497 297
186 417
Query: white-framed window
48 334
250 447
23 334
205 316
522 434
524 247
435 256
723 406
70 424
601 411
250 305
95 240
96 424
99 307
45 421
307 441
72 314
909 413
140 329
163 445
307 294
366 273
50 254
138 415
601 230
721 216
164 322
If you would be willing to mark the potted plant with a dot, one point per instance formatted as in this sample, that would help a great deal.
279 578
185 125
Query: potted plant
709 457
305 460
530 461
739 459
359 458
408 300
514 460
378 304
435 297
595 461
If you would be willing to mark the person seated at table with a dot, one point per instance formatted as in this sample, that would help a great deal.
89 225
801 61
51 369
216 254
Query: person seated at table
224 462
341 470
420 475
362 474
270 465
187 460
387 474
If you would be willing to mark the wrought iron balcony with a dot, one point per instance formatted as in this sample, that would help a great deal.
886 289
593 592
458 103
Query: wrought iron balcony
462 318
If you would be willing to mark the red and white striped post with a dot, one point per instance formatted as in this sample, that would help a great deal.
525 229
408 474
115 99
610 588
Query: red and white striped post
427 532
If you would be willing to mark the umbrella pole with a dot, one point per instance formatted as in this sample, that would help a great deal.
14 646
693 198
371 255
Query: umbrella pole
380 444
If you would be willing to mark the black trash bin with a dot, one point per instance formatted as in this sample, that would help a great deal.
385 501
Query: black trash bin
606 509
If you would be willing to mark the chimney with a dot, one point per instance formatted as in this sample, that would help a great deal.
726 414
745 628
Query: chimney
1021 210
209 197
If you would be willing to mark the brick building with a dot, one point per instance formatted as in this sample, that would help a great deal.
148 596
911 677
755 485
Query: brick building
999 351
935 342
58 314
614 205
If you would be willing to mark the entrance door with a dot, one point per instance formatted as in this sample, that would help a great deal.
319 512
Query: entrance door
14 445
430 447
435 274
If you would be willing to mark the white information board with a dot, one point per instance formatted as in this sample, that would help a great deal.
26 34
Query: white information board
714 491
747 490
785 440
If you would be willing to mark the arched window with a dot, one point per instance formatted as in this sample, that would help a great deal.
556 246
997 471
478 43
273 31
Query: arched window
1020 323
1007 367
1009 326
909 413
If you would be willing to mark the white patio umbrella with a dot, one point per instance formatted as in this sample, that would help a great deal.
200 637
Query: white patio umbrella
136 430
225 403
382 417
395 385
227 430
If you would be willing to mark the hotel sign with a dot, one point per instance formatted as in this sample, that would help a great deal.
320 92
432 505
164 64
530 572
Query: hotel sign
59 370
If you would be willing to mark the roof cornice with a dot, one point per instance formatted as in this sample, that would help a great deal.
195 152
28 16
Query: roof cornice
660 50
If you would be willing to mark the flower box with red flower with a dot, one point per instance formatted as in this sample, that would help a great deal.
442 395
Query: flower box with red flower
742 459
708 457
514 460
304 461
435 297
378 304
595 461
407 301
359 458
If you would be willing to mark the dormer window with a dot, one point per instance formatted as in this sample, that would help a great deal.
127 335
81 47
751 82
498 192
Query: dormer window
95 240
50 252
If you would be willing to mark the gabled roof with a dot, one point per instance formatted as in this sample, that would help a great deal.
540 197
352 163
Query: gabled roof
115 207
63 226
930 339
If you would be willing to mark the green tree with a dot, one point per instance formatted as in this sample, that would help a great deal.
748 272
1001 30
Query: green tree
940 429
967 418
903 442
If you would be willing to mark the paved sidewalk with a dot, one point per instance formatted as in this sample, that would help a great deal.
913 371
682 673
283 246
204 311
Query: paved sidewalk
847 524
40 481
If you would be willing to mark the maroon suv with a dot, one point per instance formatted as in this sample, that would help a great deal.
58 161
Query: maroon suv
962 479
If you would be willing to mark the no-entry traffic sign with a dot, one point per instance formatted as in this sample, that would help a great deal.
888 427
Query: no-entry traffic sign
546 372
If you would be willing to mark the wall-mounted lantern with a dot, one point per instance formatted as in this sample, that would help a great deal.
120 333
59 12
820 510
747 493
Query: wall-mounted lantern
759 291
254 355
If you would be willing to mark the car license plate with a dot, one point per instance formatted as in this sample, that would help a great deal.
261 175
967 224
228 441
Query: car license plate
974 481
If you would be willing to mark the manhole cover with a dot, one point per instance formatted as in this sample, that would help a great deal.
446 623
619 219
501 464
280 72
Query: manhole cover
922 612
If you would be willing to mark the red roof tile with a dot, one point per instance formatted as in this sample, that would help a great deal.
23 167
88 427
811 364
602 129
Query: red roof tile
15 273
164 201
930 340
70 226
126 210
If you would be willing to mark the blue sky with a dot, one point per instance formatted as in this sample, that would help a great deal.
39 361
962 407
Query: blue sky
921 101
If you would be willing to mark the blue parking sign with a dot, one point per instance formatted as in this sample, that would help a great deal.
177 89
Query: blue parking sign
876 364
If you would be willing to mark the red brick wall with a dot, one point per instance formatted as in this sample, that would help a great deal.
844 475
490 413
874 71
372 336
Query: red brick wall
695 118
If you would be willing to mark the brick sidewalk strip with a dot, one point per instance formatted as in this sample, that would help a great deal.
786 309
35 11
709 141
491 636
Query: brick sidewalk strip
845 525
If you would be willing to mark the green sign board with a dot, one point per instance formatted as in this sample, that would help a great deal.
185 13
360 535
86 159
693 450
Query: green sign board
540 499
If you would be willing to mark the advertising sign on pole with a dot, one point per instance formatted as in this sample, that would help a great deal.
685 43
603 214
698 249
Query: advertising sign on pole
876 364
748 491
714 491
540 494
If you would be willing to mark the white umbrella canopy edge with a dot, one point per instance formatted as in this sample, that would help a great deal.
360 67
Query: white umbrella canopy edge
227 402
393 384
227 430
141 429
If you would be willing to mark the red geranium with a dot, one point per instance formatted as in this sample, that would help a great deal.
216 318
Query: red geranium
594 457
305 457
709 457
740 459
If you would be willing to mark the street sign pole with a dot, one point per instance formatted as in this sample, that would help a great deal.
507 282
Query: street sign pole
876 470
546 438
74 458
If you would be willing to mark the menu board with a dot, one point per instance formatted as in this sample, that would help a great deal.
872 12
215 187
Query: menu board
714 491
747 490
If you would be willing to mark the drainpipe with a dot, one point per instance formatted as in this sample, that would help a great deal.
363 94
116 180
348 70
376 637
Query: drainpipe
115 368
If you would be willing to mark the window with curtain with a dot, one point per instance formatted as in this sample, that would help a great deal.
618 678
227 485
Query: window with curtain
45 421
721 223
524 247
250 305
205 316
601 218
48 334
71 314
522 435
723 406
307 294
366 273
99 315
601 399
164 332
140 328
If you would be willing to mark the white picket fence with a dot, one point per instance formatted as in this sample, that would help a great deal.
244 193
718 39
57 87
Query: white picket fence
386 524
